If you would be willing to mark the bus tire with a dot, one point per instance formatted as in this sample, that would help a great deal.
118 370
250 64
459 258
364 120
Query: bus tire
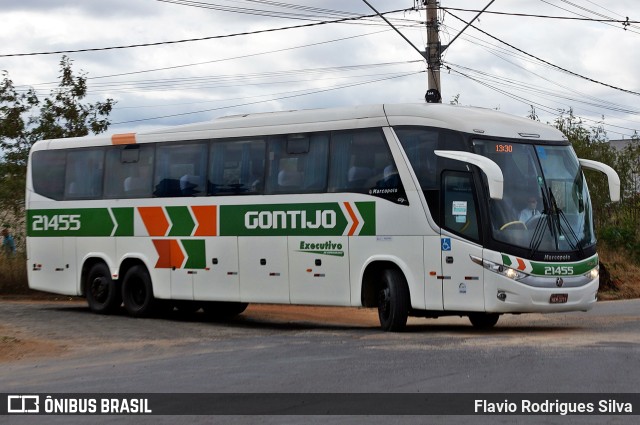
102 292
137 292
393 301
220 311
483 320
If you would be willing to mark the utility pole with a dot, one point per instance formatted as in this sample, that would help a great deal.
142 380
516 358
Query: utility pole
433 53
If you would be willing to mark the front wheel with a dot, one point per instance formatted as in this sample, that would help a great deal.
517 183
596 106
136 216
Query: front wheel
393 301
137 292
102 292
483 320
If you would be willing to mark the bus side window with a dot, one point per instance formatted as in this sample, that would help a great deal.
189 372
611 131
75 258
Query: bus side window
129 171
83 177
180 170
48 170
298 163
361 161
236 167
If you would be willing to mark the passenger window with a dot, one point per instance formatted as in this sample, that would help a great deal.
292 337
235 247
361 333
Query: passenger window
48 173
180 170
129 171
236 167
361 162
298 163
83 177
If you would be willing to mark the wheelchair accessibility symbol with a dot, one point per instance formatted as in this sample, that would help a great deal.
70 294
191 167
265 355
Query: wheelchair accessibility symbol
446 244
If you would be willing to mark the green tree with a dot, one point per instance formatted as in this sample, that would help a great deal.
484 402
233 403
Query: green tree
24 119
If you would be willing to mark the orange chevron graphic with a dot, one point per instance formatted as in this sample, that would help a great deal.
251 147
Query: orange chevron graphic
154 220
170 253
353 216
521 264
207 218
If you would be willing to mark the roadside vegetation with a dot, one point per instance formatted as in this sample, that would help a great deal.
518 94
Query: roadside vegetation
24 119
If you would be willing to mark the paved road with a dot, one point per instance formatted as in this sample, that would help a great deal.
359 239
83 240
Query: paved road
53 347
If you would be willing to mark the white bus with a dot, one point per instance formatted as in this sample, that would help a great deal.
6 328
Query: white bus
413 209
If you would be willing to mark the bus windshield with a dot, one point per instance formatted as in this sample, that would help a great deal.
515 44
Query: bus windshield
546 205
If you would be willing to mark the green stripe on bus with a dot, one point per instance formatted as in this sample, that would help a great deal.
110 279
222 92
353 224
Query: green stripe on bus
81 222
124 221
368 212
313 219
195 252
564 269
181 220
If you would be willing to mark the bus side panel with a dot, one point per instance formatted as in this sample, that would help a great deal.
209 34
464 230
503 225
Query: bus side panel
433 272
264 269
220 281
319 270
51 264
404 251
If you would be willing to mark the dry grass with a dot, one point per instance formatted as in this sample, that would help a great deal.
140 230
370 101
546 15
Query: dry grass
13 275
624 273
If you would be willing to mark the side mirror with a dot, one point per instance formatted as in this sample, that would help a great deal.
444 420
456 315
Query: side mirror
488 167
612 176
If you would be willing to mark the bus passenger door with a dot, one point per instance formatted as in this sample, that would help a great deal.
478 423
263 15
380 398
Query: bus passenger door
319 270
264 269
462 280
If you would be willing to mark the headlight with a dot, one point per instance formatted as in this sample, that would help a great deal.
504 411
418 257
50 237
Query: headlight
499 268
594 273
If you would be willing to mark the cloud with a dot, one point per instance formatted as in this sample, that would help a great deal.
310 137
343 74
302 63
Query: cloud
516 81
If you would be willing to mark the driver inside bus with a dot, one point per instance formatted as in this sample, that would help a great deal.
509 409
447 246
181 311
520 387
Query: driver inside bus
530 211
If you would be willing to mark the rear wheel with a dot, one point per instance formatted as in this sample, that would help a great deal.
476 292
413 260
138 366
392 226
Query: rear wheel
102 292
483 320
137 292
218 310
393 301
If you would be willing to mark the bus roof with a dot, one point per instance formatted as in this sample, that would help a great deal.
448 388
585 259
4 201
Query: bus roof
487 122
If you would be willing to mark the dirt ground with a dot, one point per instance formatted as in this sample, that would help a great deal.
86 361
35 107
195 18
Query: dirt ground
16 344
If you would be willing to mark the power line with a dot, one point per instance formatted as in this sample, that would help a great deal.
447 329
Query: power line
528 15
270 100
498 52
315 12
549 63
166 68
214 37
253 79
545 108
579 14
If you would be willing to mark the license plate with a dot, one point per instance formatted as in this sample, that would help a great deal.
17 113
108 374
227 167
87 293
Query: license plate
558 298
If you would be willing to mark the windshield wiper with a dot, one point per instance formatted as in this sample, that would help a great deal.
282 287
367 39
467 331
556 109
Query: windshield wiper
541 225
562 218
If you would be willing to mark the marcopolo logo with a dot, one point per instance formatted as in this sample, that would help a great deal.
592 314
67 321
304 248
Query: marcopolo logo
322 219
322 248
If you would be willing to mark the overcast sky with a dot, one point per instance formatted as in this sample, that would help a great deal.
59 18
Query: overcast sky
336 64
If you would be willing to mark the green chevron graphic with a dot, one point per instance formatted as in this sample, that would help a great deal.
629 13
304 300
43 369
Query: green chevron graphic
181 220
